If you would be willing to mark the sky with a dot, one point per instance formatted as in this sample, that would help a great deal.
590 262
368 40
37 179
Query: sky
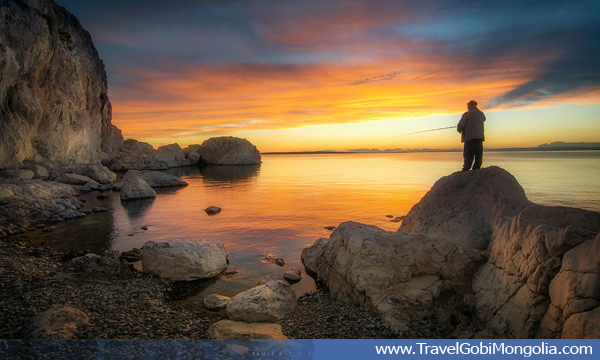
346 74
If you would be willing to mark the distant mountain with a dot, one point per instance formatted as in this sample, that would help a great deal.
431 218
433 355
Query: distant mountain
562 145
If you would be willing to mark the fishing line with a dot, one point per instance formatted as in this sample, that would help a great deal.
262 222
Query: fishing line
424 131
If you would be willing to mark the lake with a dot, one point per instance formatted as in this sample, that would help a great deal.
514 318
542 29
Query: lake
283 205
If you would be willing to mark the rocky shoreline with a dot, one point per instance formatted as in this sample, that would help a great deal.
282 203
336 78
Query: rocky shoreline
132 306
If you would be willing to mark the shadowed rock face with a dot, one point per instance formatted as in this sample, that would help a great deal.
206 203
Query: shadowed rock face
542 277
459 206
53 88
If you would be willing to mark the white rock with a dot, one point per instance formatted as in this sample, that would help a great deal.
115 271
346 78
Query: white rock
264 303
228 150
459 206
184 261
227 329
136 188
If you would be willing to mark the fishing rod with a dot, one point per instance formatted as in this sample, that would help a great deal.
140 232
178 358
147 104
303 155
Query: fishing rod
424 131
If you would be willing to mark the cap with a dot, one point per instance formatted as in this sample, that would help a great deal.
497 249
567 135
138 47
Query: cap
472 102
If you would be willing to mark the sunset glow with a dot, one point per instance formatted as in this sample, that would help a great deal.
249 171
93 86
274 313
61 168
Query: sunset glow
338 75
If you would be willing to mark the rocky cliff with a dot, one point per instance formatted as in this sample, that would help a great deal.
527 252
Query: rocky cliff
540 275
53 88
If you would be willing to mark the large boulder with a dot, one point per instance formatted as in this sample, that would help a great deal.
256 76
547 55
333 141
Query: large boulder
184 261
39 172
192 154
53 88
136 188
58 322
227 329
98 173
459 206
156 179
227 150
266 303
33 200
76 179
137 155
543 269
400 275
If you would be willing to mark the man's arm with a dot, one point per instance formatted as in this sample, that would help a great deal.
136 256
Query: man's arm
461 124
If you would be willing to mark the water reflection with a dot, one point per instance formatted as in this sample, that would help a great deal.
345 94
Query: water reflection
229 174
137 208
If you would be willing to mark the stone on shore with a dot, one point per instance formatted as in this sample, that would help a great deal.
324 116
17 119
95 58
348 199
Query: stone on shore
17 174
266 303
400 275
156 178
34 200
76 179
136 188
106 265
228 150
132 255
184 261
292 275
98 173
58 322
216 302
459 206
39 172
227 329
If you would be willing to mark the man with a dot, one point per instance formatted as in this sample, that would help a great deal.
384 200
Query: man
470 128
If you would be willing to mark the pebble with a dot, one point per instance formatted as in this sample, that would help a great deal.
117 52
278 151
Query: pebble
99 209
212 210
144 228
329 228
397 219
292 275
103 196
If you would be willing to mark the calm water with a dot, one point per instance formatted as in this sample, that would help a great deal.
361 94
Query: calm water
283 205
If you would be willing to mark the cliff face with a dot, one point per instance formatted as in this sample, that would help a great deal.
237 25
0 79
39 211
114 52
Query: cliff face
53 88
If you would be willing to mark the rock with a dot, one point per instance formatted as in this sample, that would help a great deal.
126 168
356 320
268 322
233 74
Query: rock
399 275
264 303
194 157
459 206
212 210
389 216
228 150
53 88
117 186
107 265
292 275
216 302
34 200
76 179
280 262
136 188
156 178
330 228
137 155
227 329
103 196
184 261
397 219
230 273
98 173
132 255
270 277
104 188
39 172
526 290
99 209
58 322
144 228
17 174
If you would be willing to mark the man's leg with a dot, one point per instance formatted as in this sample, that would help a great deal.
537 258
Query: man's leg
478 151
468 155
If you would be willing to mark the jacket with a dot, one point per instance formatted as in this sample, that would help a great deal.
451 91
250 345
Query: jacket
470 125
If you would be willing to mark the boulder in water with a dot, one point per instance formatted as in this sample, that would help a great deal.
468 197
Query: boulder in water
228 150
136 188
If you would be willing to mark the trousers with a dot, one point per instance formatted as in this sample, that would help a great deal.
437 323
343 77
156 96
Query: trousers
473 150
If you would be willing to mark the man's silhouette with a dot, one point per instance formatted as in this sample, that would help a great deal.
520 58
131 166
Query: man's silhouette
470 128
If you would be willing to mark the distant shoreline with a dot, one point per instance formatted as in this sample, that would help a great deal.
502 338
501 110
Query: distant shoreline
425 151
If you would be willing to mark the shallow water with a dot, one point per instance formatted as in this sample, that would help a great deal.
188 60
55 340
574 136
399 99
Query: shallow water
283 205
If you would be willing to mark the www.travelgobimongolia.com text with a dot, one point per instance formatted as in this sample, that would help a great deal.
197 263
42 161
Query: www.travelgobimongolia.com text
466 348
